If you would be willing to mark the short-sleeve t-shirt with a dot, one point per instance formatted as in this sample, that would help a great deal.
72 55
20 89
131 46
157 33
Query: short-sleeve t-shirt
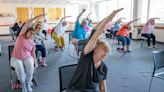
23 48
123 31
86 77
79 32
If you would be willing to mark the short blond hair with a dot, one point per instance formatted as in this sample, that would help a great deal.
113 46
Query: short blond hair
104 44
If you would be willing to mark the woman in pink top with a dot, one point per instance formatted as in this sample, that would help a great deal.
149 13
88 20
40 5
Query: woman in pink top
23 56
148 31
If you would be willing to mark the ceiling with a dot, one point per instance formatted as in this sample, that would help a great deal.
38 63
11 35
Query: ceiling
48 1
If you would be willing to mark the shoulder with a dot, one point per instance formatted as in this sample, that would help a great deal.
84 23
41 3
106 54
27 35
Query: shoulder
104 67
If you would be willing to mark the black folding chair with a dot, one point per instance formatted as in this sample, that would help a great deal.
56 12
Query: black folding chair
65 74
158 72
12 71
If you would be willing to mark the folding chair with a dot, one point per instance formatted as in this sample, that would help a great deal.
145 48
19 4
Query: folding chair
74 52
158 57
65 74
12 71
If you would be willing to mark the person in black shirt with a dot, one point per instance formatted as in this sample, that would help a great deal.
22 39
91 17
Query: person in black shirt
91 71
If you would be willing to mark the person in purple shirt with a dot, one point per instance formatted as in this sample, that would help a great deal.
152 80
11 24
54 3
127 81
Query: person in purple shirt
148 31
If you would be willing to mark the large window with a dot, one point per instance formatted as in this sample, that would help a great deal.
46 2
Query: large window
152 8
73 11
106 7
55 13
157 10
22 14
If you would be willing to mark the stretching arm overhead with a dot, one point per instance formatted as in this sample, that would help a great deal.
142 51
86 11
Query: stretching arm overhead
99 30
132 21
78 17
27 23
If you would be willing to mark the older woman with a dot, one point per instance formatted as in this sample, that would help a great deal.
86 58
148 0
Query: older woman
23 56
122 35
91 71
148 30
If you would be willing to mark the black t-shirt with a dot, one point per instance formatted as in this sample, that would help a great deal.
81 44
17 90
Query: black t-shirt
86 77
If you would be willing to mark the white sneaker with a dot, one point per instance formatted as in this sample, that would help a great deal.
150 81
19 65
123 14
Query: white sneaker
24 89
149 46
29 88
154 46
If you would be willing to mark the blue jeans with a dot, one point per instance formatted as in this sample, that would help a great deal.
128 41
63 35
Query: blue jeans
42 49
124 40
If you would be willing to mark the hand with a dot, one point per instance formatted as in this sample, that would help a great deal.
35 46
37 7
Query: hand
41 15
36 65
83 10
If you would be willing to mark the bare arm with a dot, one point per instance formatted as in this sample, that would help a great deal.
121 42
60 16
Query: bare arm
88 15
80 14
34 57
27 23
61 20
99 30
102 86
132 21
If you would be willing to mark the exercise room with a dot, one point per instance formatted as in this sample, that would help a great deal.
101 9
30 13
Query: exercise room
81 46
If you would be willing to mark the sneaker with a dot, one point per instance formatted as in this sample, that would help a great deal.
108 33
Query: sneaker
128 51
62 49
24 89
154 46
149 46
44 65
29 89
57 49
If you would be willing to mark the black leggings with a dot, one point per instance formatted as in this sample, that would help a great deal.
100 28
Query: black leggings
149 36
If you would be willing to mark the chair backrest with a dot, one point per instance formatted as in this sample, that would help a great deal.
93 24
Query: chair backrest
158 57
10 50
70 37
65 75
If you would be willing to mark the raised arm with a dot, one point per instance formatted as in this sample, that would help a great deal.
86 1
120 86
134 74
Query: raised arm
99 30
27 23
78 17
119 20
88 15
61 20
132 21
152 19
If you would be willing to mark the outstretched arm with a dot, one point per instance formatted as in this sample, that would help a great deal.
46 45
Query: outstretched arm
88 15
27 23
132 21
99 30
61 20
152 19
80 14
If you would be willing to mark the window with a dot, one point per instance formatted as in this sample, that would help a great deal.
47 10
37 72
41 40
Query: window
106 7
157 10
73 11
38 11
127 12
144 11
55 13
22 14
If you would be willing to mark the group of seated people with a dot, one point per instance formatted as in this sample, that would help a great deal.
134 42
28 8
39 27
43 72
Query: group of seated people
122 33
24 56
31 40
